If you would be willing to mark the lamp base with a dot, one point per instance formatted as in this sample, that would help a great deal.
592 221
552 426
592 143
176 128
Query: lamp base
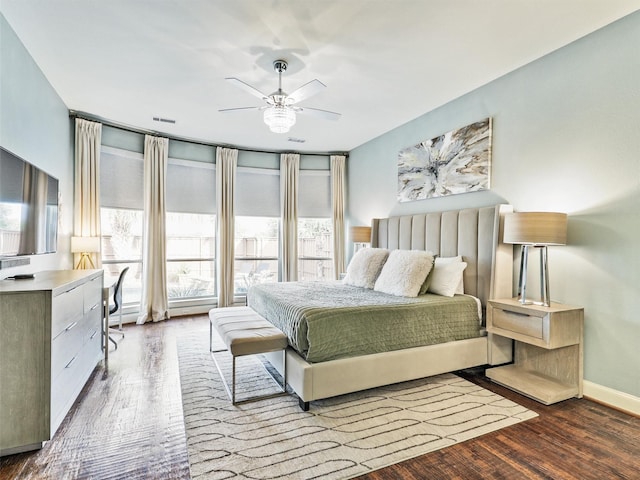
544 277
84 258
526 301
359 246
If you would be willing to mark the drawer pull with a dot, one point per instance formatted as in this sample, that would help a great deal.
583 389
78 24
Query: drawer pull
71 326
70 362
94 307
93 335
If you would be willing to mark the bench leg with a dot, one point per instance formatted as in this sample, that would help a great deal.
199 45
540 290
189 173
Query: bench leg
233 381
231 392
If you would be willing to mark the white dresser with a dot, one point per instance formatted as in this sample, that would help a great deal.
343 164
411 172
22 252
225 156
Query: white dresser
50 342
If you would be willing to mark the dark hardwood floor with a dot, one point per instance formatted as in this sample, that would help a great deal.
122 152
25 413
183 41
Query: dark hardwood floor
127 424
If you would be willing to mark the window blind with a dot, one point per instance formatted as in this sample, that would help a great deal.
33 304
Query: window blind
191 187
257 192
314 194
121 180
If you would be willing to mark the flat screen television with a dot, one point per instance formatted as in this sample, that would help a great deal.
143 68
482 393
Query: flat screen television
28 208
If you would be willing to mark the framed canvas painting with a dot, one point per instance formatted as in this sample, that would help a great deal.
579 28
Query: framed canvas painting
457 162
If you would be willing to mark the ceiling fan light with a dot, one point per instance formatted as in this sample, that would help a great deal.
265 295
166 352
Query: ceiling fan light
279 119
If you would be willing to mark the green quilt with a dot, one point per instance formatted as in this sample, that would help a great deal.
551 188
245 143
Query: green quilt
330 320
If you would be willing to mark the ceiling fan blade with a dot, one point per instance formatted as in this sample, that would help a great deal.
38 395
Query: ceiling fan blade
316 112
246 87
305 91
238 109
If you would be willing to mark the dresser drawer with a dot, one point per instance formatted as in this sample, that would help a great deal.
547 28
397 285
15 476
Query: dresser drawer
522 323
64 388
66 346
92 350
67 384
92 294
67 308
93 324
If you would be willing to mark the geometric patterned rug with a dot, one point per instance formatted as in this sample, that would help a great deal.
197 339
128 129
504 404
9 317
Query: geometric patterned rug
338 438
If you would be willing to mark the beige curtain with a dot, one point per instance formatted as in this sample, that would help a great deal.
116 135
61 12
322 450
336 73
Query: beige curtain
86 205
289 173
226 161
338 204
34 215
154 305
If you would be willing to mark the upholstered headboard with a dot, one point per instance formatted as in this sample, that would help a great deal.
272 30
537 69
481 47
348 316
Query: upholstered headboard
474 233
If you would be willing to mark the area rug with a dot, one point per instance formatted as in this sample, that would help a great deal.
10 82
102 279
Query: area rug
338 438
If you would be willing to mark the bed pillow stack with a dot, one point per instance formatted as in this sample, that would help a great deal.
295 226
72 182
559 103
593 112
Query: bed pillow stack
404 272
365 266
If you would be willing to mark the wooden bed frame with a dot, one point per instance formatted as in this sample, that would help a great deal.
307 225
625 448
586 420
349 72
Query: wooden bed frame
474 233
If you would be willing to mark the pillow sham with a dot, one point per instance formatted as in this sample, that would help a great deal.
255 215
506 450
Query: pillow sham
448 260
404 272
365 266
439 262
446 278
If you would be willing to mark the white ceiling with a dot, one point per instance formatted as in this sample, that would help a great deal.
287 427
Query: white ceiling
384 62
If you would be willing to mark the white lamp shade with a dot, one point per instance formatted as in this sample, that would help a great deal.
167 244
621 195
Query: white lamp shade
85 244
535 228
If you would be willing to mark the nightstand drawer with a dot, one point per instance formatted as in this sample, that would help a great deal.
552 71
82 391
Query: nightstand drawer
518 322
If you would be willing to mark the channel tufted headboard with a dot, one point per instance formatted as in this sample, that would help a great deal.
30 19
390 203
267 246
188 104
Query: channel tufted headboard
474 233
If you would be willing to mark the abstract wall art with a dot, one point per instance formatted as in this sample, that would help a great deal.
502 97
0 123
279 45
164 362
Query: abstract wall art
457 162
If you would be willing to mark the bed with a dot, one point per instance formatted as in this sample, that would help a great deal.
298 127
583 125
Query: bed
313 373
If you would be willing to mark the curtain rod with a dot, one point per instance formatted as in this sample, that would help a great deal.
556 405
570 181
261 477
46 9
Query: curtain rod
129 128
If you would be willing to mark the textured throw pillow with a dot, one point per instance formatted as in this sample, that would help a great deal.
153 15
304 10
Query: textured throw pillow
446 278
439 263
404 273
365 266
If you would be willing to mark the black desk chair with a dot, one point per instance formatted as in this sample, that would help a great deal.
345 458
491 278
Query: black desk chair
116 306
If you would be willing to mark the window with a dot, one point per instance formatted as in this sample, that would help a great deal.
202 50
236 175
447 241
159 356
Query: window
121 215
315 244
191 250
257 227
190 230
315 249
122 247
256 252
190 224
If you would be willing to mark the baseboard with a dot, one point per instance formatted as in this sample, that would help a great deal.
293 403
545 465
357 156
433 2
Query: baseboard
613 398
189 310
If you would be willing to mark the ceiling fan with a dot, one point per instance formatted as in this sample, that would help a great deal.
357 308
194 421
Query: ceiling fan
280 111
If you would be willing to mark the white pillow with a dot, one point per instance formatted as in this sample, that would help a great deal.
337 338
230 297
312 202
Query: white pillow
365 266
404 272
446 278
440 261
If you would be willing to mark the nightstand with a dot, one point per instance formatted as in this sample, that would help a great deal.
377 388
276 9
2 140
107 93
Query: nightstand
548 349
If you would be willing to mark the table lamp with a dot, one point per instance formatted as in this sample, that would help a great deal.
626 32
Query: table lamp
85 246
360 236
537 230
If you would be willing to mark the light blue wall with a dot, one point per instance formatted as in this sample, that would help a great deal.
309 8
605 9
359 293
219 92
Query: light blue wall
566 138
35 125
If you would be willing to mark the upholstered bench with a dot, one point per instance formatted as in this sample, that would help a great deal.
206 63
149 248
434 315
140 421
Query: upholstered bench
245 332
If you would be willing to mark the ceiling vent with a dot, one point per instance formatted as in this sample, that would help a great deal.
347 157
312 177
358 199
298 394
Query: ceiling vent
163 120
